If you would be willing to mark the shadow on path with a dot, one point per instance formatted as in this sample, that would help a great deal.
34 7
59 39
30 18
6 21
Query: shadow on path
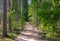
30 33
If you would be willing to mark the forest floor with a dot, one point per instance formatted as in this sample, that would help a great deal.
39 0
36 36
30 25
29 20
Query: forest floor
30 33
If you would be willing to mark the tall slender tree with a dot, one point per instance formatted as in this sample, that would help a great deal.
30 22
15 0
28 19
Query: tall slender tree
10 28
5 18
0 18
25 9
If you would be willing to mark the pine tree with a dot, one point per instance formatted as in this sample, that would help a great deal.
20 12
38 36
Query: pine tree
25 9
5 18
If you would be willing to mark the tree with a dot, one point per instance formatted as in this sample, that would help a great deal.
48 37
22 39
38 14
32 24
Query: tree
25 9
33 11
5 18
0 18
10 27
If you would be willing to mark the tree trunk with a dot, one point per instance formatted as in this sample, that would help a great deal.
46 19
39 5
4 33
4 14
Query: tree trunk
5 18
10 28
0 18
25 9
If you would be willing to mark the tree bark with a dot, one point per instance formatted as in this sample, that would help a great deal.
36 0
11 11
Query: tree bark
10 28
5 18
0 18
25 9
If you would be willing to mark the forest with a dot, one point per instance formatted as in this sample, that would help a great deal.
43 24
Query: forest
29 20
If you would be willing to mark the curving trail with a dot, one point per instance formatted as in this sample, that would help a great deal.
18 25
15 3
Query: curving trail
30 33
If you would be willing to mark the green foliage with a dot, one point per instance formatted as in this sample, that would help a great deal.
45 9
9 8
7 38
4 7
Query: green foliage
25 9
49 16
48 13
21 22
17 18
33 12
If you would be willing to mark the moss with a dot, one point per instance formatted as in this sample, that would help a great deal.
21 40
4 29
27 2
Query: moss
6 39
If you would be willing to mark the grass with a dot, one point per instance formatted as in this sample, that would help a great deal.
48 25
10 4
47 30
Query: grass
10 37
6 39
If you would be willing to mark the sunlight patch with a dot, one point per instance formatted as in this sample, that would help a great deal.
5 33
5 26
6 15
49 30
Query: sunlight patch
31 40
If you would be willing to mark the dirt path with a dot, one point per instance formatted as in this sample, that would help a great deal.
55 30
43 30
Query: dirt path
30 33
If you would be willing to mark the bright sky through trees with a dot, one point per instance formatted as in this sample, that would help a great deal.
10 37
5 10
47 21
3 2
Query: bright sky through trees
29 2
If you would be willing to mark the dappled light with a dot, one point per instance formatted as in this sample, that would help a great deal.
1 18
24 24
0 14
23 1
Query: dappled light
29 20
